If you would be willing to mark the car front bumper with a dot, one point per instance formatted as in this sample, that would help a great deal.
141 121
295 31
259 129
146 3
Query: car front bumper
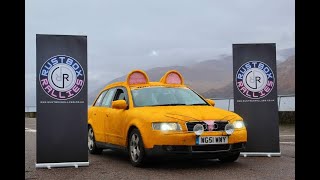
158 138
205 151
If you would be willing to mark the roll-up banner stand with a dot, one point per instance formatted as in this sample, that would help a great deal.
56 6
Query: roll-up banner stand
61 101
255 96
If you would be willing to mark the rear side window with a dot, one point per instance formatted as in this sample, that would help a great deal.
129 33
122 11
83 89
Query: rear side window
99 100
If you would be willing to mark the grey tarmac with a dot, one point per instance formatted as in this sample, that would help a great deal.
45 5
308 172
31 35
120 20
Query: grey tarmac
116 165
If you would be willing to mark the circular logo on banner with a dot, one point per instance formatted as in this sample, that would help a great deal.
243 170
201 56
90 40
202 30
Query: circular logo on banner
61 77
255 79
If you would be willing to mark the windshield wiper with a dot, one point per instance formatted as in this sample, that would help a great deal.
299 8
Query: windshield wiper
196 104
169 105
201 104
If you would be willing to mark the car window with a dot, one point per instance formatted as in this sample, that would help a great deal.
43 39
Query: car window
99 100
120 95
166 96
107 99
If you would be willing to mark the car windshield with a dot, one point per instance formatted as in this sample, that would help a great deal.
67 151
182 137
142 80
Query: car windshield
166 96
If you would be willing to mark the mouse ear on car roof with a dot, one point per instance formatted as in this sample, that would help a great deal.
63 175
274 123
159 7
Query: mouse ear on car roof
137 77
172 77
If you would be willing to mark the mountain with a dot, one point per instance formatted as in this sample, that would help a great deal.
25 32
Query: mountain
223 92
200 76
286 76
284 54
213 78
285 79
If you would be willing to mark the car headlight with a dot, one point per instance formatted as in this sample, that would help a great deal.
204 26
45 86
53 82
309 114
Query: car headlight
238 124
166 126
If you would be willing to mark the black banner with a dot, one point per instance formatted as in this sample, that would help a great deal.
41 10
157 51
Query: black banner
61 99
255 94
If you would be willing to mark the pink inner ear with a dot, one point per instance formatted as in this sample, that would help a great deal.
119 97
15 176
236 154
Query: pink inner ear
173 78
137 78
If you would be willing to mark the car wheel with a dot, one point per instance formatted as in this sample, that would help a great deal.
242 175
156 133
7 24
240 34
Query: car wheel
230 158
92 147
136 148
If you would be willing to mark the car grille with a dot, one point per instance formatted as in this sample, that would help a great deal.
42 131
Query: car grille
220 125
208 148
214 147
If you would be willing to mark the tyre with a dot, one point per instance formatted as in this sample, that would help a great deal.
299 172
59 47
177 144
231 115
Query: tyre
230 158
136 148
92 147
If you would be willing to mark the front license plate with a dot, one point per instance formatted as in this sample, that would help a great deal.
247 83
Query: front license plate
212 140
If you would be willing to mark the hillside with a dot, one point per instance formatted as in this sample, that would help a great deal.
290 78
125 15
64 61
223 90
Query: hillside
285 77
213 78
200 76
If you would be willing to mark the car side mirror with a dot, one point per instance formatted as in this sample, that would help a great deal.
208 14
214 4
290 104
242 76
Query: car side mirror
210 101
119 104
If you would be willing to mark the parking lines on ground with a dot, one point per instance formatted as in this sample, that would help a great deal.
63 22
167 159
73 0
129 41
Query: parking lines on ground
30 130
287 142
287 135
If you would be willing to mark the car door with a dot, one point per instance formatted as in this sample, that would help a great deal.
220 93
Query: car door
104 112
116 121
97 122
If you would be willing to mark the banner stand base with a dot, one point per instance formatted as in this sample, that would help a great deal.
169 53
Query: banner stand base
260 154
67 164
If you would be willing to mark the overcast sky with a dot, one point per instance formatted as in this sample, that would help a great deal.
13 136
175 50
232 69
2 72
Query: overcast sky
125 35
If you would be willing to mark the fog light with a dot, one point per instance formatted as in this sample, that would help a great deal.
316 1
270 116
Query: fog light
229 128
169 148
198 129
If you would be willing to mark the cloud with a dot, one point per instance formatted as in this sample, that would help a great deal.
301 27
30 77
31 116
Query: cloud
125 35
153 53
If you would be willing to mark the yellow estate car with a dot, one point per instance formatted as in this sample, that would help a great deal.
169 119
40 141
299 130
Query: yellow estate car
161 118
